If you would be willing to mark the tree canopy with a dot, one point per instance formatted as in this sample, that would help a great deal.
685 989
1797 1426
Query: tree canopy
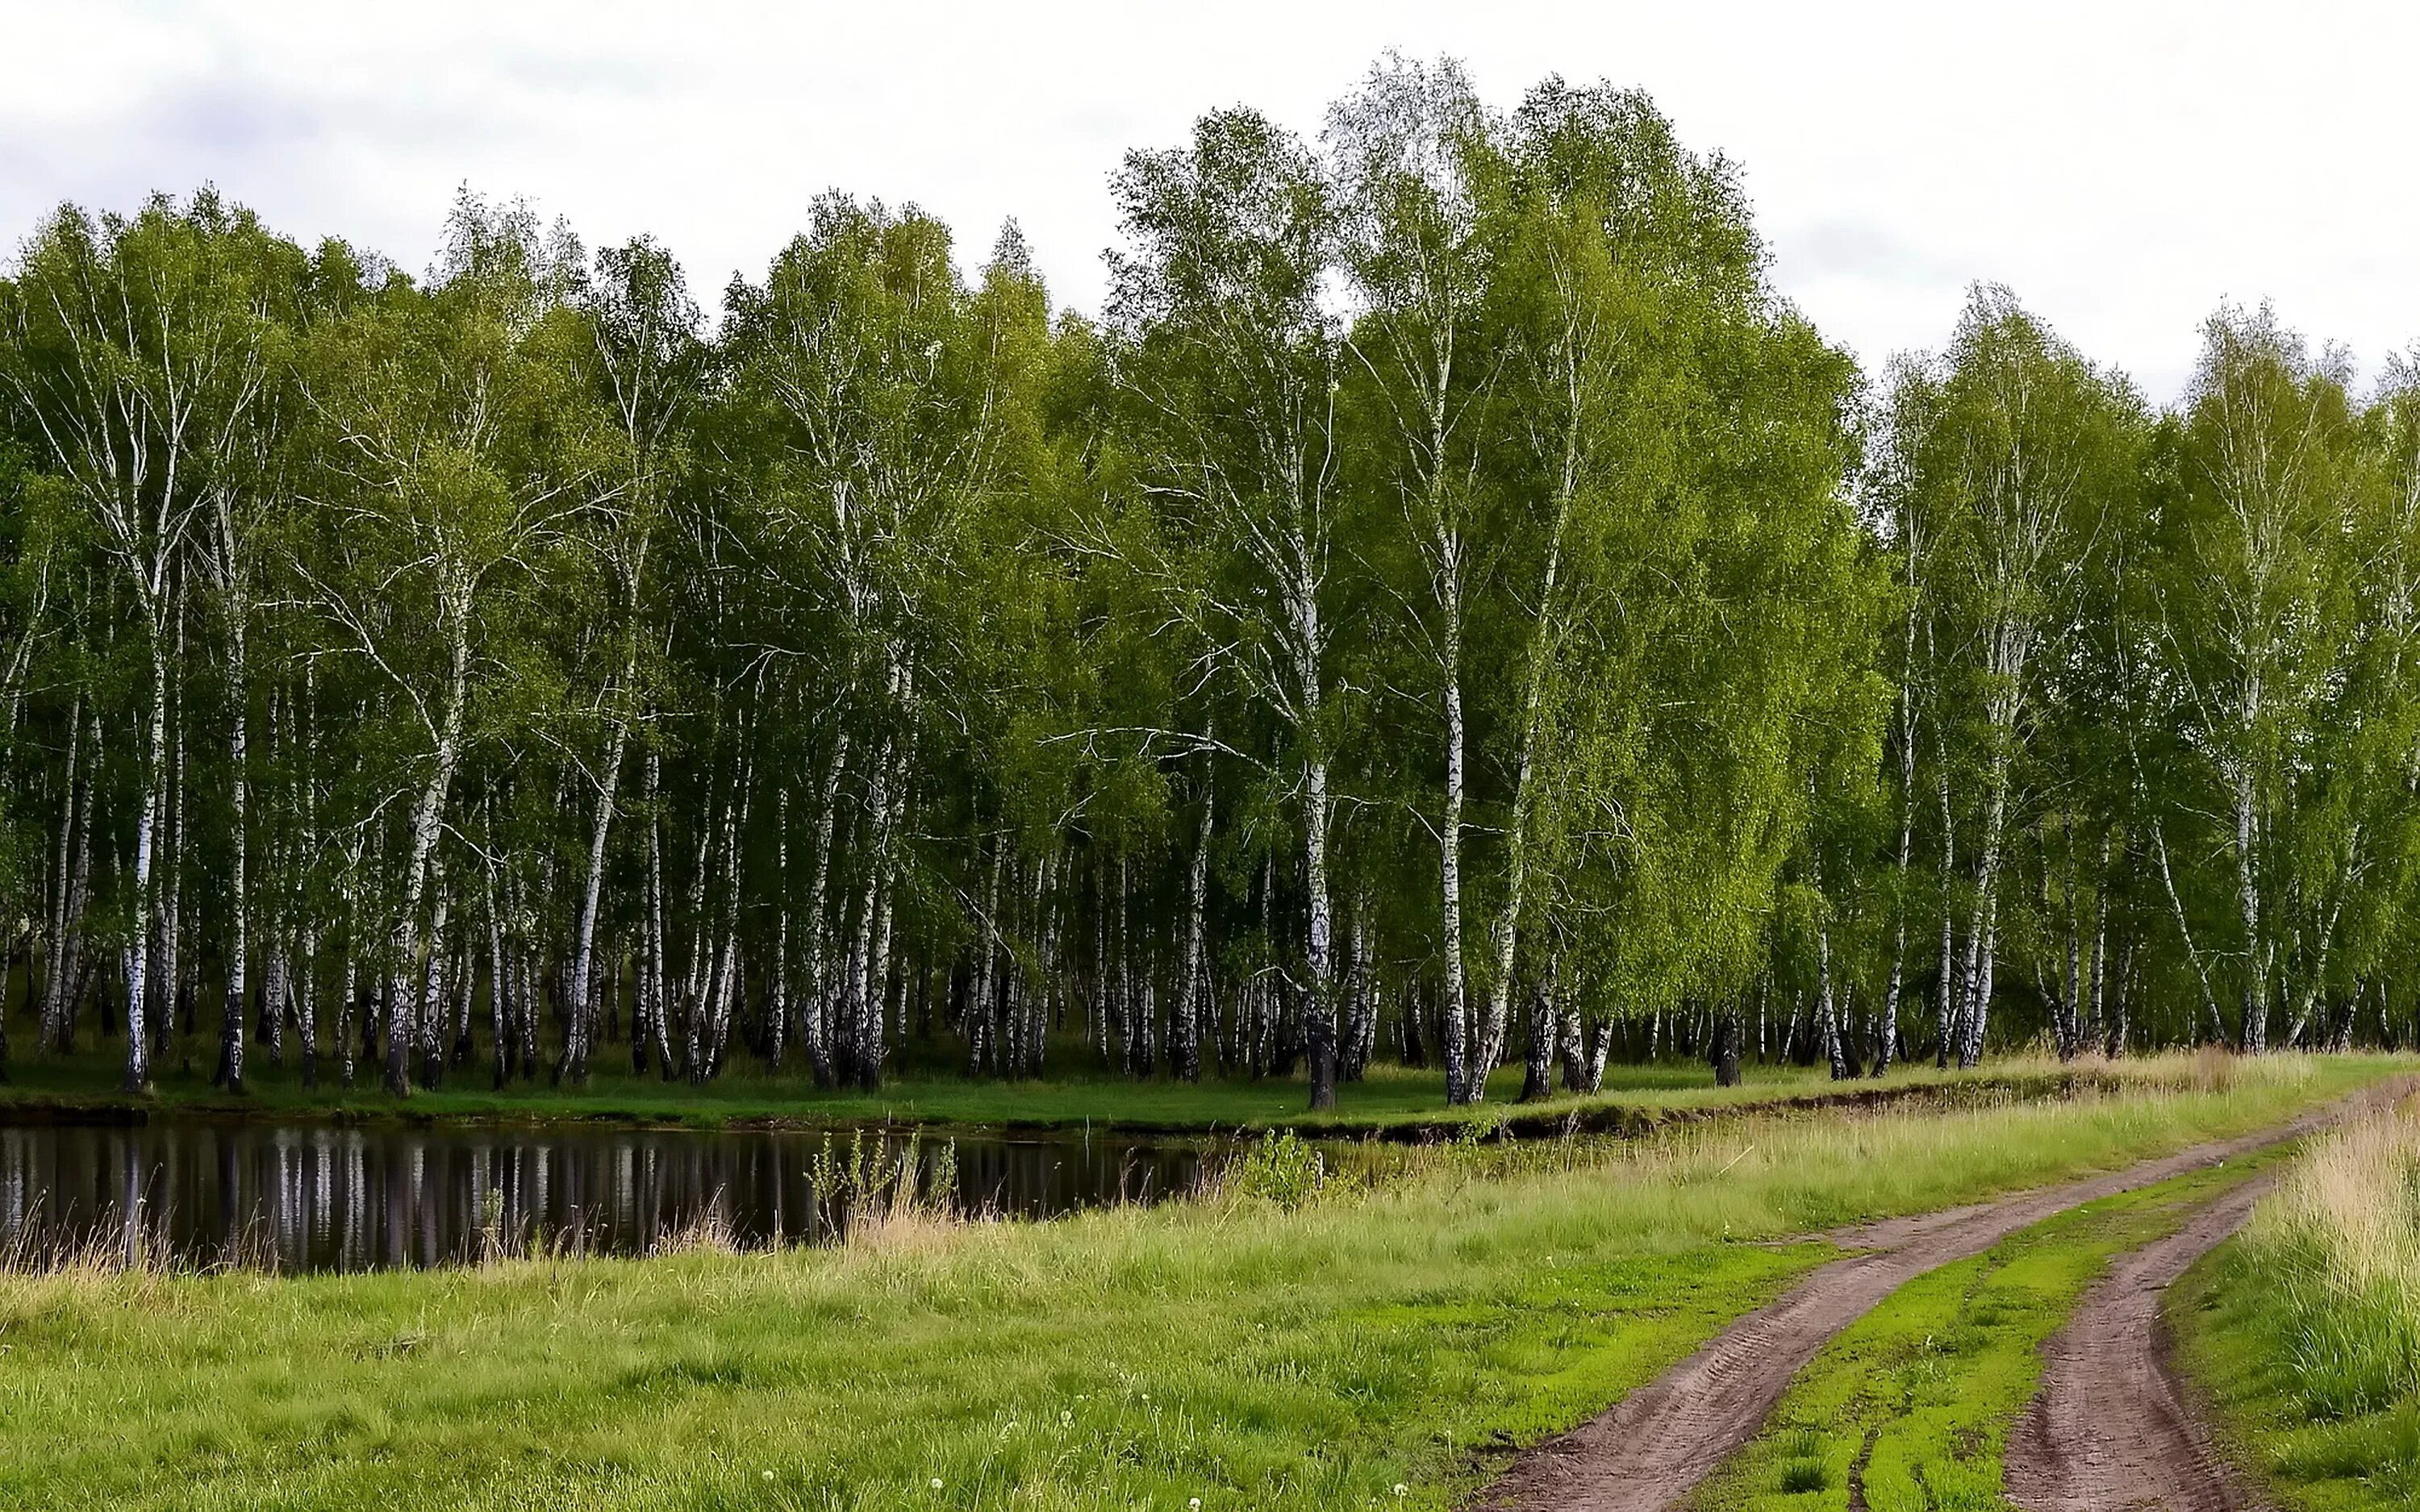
1448 606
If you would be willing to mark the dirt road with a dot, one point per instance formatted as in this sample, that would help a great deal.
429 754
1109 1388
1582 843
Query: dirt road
2109 1431
1652 1448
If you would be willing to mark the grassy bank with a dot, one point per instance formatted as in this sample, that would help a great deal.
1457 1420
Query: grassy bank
1911 1407
1252 1352
2306 1330
1391 1100
1389 1095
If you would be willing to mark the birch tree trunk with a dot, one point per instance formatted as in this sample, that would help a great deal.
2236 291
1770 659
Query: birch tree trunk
1456 1000
1505 935
60 965
1320 1009
230 1073
1975 1010
982 1008
1185 1039
2247 886
777 1010
816 1031
1827 1012
155 763
583 945
428 812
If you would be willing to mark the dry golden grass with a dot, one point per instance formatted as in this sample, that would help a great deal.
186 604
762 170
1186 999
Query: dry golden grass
2352 1206
2307 1332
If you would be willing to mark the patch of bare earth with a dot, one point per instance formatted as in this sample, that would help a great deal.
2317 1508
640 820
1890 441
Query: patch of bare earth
1652 1448
2110 1431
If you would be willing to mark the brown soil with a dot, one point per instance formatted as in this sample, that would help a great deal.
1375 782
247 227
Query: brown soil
2109 1431
1655 1446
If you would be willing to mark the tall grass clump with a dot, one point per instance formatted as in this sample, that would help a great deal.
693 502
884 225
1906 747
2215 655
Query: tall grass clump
2338 1251
1283 1170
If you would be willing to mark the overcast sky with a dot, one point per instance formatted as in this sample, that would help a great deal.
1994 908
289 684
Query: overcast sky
2124 166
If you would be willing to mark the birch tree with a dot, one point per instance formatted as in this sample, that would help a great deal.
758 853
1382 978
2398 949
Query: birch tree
648 364
2258 601
139 349
444 494
1232 362
1416 158
2008 438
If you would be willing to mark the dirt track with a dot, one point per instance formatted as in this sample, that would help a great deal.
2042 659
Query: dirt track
1655 1446
2109 1431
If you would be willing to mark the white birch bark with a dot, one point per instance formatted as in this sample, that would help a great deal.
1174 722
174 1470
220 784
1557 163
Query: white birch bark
1185 1044
405 937
239 893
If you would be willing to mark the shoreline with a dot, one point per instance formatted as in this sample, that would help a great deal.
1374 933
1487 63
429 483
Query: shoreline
1621 1114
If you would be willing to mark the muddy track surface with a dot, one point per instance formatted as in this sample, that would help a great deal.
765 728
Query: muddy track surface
2110 1431
1653 1447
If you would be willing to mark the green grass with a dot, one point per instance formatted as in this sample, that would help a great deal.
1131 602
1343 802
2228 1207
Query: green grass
1389 1094
1634 1098
1249 1353
2305 1329
1916 1399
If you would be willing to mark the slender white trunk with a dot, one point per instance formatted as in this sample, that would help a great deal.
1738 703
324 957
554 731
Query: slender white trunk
1906 829
982 1009
1319 957
306 1003
1828 1013
155 762
653 987
1184 1048
2097 971
1505 935
816 1000
777 1010
2247 886
1976 1012
427 814
583 945
2072 1017
431 1009
238 905
499 983
59 967
1456 1003
729 985
167 963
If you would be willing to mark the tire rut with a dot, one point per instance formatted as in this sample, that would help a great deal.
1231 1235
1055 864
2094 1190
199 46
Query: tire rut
1650 1450
2110 1430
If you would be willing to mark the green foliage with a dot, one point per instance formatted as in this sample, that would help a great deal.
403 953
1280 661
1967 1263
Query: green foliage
1282 1170
1448 602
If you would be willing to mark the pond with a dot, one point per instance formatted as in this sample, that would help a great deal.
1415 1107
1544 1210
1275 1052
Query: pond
201 1193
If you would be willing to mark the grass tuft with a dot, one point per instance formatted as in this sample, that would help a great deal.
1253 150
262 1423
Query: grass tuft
2307 1328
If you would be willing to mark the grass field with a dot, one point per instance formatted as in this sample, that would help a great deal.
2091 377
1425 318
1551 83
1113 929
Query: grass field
1406 1330
1915 1400
1391 1098
2306 1330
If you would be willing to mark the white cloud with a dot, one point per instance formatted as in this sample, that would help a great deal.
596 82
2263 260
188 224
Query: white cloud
2122 166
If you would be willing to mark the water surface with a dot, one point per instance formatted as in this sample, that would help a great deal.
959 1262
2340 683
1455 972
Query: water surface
301 1196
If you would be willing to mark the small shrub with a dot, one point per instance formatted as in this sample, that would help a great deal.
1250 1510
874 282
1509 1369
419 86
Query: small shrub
1283 1170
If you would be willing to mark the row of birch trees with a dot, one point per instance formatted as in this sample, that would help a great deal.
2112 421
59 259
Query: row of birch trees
1447 608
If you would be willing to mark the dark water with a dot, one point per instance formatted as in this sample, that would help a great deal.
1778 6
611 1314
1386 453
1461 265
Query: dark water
313 1197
